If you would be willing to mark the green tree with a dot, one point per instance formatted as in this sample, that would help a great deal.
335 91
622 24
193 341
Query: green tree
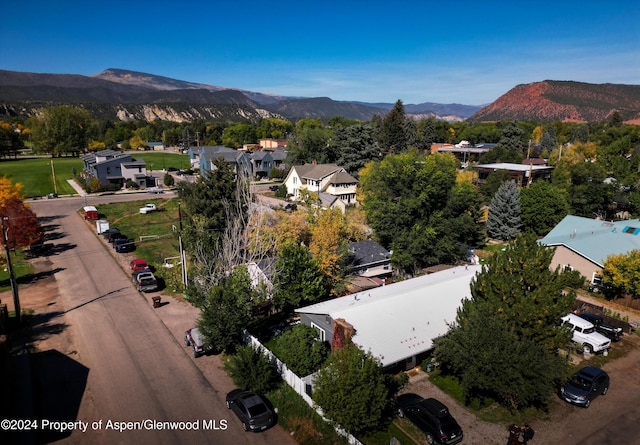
353 391
298 279
394 137
621 274
302 349
237 135
250 368
354 145
542 207
225 310
404 197
506 333
168 180
62 130
504 221
274 128
309 142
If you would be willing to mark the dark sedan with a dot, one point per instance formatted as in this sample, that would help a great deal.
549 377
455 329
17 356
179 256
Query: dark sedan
431 417
251 409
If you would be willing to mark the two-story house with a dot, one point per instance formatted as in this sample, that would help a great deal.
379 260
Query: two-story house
265 160
203 158
114 167
328 179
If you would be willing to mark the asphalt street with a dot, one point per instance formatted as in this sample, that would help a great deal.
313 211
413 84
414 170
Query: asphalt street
135 365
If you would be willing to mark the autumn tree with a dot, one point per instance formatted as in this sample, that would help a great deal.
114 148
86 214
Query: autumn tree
21 224
328 239
621 274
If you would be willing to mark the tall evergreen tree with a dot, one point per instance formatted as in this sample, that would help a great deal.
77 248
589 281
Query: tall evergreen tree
393 131
504 212
505 339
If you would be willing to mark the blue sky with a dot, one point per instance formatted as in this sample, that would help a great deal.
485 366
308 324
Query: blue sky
466 52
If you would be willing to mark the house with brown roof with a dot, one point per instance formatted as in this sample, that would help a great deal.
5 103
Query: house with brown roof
329 179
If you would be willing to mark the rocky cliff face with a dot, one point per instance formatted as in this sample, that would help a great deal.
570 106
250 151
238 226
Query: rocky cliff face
564 101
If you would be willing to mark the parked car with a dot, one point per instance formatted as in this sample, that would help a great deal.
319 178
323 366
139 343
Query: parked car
139 265
124 245
431 417
111 233
291 207
145 281
602 327
194 338
251 409
155 191
274 188
148 208
585 385
584 333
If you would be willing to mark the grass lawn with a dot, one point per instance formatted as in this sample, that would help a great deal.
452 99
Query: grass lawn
153 233
36 174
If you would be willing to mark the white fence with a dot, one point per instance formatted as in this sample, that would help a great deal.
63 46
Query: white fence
298 384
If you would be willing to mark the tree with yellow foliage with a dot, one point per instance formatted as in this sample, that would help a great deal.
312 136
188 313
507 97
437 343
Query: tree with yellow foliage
621 274
328 237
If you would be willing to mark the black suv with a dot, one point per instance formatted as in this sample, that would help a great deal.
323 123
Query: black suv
431 417
615 334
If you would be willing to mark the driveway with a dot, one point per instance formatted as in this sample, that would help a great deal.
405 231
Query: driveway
100 353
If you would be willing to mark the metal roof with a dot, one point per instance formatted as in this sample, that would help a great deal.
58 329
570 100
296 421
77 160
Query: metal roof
401 320
595 239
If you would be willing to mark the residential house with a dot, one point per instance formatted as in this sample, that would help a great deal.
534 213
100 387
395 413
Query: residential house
583 244
114 167
464 151
522 174
322 178
370 260
396 323
203 157
265 160
273 144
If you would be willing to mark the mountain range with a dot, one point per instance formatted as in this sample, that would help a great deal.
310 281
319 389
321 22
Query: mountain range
129 95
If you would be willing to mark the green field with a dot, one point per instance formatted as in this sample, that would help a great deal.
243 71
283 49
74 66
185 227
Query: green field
36 174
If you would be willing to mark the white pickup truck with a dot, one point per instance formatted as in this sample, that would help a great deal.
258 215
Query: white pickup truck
148 208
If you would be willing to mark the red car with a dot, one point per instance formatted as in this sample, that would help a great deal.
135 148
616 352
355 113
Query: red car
138 265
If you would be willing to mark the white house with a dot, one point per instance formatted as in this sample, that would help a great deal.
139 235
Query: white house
322 178
397 323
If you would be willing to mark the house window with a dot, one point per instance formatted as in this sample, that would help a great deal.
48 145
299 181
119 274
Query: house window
596 280
108 170
567 268
320 330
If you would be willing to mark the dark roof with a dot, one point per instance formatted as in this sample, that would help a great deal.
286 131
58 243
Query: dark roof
367 252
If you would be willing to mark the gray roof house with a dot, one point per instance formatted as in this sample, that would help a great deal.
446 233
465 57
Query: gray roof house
322 178
583 244
397 323
207 154
522 174
114 167
263 161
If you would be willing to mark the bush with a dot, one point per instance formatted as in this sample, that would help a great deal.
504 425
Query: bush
302 350
168 180
132 184
281 192
251 369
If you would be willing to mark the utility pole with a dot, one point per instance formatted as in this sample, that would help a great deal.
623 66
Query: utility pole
12 277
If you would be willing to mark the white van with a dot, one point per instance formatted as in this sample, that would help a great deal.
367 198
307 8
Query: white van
584 333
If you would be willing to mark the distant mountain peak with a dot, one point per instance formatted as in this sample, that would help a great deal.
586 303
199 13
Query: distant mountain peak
558 100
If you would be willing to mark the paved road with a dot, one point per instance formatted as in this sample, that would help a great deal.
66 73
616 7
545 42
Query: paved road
135 367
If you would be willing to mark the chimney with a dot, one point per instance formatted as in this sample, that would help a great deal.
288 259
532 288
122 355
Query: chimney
342 333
